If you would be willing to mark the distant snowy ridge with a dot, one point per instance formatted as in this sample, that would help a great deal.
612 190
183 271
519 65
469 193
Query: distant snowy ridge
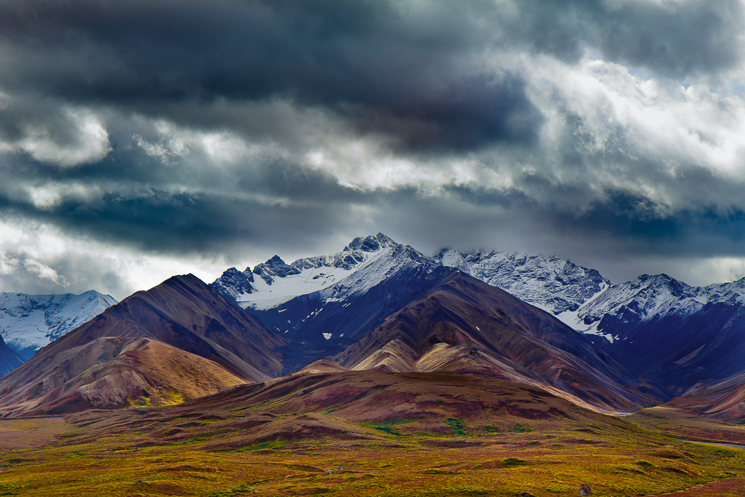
361 265
29 322
654 297
557 286
581 297
547 282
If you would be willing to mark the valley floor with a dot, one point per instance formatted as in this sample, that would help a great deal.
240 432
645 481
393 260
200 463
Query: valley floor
170 452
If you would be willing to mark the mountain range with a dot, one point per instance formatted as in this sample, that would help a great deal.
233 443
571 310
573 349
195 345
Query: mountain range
380 305
468 327
670 333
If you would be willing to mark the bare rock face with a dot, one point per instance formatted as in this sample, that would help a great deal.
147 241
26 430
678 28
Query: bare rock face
584 489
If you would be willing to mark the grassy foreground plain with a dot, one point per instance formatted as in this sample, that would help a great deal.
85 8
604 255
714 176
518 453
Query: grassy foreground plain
373 434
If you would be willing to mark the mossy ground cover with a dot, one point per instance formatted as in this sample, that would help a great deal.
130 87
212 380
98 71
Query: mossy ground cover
389 426
424 440
632 462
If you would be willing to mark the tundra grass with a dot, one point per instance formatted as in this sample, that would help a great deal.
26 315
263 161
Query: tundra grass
551 459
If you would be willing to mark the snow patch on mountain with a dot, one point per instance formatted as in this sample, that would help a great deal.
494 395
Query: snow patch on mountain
654 297
361 265
580 297
29 322
555 285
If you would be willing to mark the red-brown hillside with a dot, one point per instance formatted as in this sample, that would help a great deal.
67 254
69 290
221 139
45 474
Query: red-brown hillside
186 313
182 312
118 372
357 405
723 399
468 327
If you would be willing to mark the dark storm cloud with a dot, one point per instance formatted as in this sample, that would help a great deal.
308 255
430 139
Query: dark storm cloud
370 52
105 107
74 273
138 207
383 66
362 60
191 207
613 230
675 39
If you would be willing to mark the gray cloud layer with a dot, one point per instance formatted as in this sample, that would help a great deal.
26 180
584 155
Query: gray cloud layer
232 130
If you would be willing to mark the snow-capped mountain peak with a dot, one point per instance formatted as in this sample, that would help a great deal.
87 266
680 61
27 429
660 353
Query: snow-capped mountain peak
362 264
452 258
371 243
29 322
579 296
650 297
640 299
274 268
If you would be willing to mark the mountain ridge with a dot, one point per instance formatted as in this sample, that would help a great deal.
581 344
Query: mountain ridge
29 322
465 326
181 313
650 324
275 282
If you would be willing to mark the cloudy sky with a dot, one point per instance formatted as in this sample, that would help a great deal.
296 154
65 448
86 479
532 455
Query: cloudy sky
145 138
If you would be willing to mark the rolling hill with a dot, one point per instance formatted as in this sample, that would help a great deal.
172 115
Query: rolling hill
112 372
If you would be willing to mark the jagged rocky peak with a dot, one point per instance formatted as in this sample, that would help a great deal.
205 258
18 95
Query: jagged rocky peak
645 297
234 282
371 243
664 284
355 252
732 293
279 282
662 280
274 268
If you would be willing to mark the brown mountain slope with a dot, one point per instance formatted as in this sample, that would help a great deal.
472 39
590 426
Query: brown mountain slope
468 327
322 366
723 399
118 372
182 312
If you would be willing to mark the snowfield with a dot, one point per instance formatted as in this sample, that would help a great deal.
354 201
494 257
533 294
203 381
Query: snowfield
29 322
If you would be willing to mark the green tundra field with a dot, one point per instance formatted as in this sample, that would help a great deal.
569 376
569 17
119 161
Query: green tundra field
425 444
